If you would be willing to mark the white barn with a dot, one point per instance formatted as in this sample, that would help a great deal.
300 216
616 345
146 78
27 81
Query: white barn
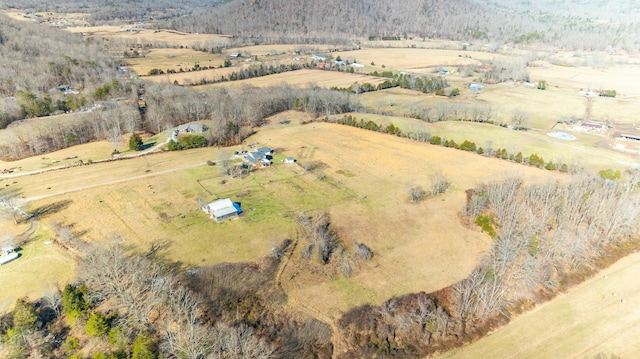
222 209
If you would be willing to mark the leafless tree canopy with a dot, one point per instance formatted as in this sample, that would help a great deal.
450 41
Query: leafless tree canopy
544 233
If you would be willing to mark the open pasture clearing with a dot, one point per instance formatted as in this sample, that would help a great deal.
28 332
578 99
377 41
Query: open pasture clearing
173 59
415 244
623 79
194 77
93 151
41 267
157 199
278 49
598 317
590 151
305 78
157 38
408 59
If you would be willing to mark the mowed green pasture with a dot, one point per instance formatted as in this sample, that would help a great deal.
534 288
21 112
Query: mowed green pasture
41 267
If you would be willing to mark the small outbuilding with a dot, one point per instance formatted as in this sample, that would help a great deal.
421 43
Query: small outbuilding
289 160
7 254
222 209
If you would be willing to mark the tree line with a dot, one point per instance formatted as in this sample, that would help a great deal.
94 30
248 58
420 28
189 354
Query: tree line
533 159
135 305
231 115
544 237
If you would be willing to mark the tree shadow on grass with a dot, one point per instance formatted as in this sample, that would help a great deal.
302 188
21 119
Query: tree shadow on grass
49 209
147 146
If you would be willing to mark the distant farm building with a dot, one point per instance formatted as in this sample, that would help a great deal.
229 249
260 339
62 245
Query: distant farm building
235 55
319 58
192 128
261 157
589 126
630 138
289 160
355 64
476 87
7 254
222 209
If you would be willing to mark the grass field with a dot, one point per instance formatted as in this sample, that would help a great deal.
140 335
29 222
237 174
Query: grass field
155 37
414 242
599 318
157 199
41 266
174 59
409 59
589 151
326 79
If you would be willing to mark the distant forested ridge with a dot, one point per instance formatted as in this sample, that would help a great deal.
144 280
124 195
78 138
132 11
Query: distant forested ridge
566 26
588 25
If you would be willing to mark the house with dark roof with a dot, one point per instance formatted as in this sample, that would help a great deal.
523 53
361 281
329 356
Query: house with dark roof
261 157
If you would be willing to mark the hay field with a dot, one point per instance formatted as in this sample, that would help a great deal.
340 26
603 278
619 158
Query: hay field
623 79
154 37
304 78
157 199
598 318
194 77
93 151
415 245
173 59
409 59
589 151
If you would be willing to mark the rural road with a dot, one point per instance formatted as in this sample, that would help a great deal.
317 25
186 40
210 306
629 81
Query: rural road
106 183
35 172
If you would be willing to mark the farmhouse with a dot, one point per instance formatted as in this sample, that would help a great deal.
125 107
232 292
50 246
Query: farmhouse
192 128
260 157
222 209
7 254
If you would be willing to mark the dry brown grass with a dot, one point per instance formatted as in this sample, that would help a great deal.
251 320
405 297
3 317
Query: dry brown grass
156 37
409 59
588 320
174 59
413 243
320 78
155 199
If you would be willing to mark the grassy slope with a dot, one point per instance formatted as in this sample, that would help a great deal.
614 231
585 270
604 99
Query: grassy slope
589 320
